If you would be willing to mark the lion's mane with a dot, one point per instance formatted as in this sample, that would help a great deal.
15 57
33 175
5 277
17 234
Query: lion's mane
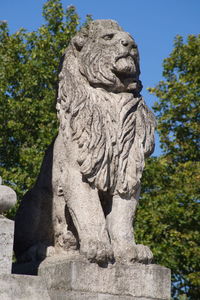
114 130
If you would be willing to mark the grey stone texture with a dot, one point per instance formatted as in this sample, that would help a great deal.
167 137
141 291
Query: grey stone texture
78 279
72 277
88 188
6 245
90 296
23 287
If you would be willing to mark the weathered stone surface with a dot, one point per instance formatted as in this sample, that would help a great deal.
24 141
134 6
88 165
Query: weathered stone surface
65 277
23 287
6 245
88 188
8 197
71 295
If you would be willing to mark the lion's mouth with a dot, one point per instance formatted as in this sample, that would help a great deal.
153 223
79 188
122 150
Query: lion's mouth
125 65
126 76
124 55
125 68
129 79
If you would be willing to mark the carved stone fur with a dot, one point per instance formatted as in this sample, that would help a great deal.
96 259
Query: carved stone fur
89 184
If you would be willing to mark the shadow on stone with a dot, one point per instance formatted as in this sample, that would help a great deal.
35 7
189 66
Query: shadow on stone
28 268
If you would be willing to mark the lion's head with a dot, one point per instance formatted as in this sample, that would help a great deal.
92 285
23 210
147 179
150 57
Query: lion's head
99 99
108 56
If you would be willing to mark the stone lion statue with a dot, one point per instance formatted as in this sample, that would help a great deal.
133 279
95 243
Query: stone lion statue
88 188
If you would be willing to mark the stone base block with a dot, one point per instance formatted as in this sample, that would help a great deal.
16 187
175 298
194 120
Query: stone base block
6 245
22 287
76 279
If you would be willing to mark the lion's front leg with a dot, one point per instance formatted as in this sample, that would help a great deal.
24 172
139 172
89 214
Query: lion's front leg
88 217
120 227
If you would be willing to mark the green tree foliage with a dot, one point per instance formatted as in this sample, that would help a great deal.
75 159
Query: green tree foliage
28 77
178 112
169 214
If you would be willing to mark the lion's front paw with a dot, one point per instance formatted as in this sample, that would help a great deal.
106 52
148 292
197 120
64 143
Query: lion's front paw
144 254
131 253
125 253
96 251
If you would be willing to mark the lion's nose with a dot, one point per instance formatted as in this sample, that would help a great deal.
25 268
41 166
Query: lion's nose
126 42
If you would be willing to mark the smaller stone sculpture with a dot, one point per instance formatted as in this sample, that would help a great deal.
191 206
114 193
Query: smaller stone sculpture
8 197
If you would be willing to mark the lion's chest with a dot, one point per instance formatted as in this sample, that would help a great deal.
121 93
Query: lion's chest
117 137
104 128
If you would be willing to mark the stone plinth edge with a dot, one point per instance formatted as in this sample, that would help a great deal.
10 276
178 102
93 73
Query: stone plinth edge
137 281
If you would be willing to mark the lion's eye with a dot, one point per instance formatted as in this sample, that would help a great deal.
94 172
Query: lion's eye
108 37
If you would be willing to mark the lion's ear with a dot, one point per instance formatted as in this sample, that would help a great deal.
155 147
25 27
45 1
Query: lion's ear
79 41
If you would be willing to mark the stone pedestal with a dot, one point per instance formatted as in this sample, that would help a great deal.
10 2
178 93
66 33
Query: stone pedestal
6 245
77 279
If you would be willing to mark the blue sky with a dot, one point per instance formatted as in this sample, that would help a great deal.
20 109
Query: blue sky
153 24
